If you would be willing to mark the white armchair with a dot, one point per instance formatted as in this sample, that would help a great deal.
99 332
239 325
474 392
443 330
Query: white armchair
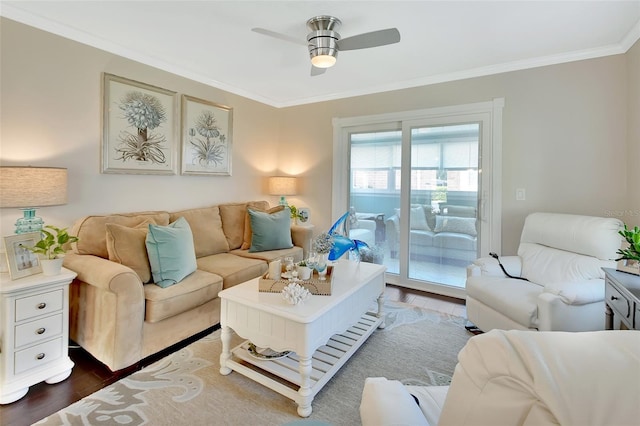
362 229
521 378
562 257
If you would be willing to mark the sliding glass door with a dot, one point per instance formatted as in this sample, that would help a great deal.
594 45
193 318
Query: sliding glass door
421 196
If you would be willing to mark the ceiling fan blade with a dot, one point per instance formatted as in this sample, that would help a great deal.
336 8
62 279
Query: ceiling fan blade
279 36
372 39
317 71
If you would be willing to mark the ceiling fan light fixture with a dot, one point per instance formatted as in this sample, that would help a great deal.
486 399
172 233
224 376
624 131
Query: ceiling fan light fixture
323 48
323 61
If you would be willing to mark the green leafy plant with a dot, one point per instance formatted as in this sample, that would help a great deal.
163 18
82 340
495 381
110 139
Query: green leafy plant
632 236
53 243
302 263
295 213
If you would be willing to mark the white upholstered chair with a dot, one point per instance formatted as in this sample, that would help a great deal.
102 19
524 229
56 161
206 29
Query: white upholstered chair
362 229
521 378
562 257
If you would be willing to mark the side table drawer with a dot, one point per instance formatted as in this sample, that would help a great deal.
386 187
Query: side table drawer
617 301
40 304
40 329
30 358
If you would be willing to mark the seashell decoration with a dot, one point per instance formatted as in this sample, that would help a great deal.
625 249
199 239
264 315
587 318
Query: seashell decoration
294 293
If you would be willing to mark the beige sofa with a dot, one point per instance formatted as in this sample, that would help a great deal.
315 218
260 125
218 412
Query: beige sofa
120 318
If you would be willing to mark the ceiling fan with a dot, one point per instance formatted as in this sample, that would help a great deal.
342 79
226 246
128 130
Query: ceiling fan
324 42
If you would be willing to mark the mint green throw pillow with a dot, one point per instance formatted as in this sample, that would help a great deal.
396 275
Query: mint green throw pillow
171 252
270 231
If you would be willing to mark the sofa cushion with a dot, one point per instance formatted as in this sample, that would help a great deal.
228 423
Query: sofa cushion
206 226
542 265
92 232
127 246
516 299
255 205
268 256
450 240
171 253
233 216
193 291
233 269
458 225
418 219
270 231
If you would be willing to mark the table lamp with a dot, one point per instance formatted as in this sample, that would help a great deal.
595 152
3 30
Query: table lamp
282 186
31 187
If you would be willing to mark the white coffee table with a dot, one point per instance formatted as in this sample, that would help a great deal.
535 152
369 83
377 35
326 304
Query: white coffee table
322 333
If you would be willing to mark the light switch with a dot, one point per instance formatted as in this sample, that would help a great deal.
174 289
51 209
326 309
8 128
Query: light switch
520 194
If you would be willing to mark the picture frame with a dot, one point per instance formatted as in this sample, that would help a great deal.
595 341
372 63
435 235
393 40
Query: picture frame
207 134
628 265
134 142
21 261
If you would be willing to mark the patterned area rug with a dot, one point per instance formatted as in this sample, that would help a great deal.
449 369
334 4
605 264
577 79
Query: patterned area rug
417 347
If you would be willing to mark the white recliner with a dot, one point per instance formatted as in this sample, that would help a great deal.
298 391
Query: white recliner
562 257
520 377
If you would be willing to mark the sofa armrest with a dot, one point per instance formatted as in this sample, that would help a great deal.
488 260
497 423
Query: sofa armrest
365 224
488 266
104 274
107 308
577 292
388 402
301 237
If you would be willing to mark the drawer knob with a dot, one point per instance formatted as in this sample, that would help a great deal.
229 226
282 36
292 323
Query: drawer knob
40 356
41 330
42 305
614 298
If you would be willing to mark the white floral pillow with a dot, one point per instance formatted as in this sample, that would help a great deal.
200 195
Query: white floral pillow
459 225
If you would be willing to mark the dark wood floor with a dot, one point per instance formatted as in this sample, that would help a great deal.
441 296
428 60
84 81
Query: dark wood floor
89 375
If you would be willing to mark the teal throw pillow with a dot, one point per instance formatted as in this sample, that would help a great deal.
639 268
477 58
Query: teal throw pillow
171 252
270 231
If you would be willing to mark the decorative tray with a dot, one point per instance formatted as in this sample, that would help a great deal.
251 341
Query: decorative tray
314 284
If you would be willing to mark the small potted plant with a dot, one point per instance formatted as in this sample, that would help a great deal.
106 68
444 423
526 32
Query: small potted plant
629 260
304 272
52 248
298 215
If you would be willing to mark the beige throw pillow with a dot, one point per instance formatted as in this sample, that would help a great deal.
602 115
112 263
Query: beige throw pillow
206 226
248 232
127 246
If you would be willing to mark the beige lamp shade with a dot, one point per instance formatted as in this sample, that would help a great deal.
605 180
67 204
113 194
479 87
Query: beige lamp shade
282 185
32 186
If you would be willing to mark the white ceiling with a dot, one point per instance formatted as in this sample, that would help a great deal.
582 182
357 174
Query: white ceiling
212 42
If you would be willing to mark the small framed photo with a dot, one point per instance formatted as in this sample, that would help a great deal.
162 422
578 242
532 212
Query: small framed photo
206 137
304 214
22 261
139 127
628 265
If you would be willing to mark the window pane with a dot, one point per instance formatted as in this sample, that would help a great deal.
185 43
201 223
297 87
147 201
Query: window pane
369 179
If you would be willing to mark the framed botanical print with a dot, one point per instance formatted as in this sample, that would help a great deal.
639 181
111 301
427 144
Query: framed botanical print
206 137
22 261
139 127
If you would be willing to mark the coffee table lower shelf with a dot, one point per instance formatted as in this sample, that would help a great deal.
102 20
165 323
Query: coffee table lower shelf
282 374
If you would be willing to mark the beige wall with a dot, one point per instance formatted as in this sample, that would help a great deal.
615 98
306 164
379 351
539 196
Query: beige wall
51 103
632 213
565 134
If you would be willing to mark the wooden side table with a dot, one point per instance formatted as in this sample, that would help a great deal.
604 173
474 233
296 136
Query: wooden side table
34 327
622 300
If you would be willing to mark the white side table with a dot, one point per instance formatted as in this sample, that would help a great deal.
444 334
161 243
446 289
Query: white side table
34 327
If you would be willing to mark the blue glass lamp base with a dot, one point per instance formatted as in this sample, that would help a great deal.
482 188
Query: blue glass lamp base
29 222
283 201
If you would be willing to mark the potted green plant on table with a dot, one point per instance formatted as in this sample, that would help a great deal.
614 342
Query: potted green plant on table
629 260
52 247
298 214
